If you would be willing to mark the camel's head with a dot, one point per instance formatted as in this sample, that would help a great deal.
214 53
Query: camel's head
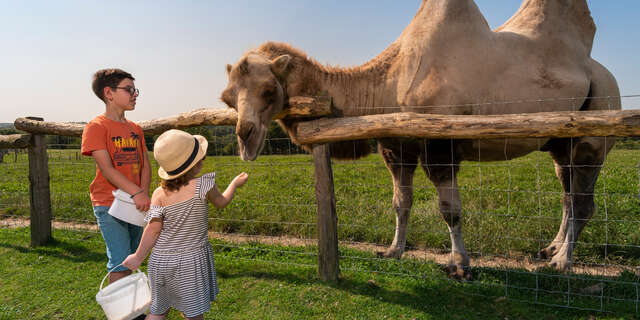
256 93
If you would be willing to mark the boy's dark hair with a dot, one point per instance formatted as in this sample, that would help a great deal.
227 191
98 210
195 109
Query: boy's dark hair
108 78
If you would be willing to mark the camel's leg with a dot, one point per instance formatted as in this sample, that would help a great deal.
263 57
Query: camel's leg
578 162
441 165
401 159
578 181
560 150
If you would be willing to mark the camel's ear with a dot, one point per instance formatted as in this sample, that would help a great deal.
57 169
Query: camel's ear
279 65
229 67
244 66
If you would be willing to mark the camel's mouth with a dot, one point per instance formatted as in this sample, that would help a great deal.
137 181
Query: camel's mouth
251 146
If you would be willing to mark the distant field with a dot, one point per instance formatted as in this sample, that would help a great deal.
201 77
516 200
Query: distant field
510 208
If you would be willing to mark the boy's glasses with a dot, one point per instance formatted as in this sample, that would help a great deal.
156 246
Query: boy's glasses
132 91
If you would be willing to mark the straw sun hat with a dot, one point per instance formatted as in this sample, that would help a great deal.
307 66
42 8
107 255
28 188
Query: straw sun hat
177 151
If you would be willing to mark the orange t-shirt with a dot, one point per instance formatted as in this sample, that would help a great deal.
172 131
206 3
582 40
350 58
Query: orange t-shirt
125 144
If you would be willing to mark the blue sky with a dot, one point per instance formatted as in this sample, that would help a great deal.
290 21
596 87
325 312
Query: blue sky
177 50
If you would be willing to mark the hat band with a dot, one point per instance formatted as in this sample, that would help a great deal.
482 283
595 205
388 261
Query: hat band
193 155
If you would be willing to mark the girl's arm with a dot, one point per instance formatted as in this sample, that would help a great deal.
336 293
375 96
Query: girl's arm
221 200
149 238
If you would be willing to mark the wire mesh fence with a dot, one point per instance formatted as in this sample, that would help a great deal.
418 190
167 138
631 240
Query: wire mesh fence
510 211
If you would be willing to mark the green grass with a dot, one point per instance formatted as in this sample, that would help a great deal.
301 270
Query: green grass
510 208
60 280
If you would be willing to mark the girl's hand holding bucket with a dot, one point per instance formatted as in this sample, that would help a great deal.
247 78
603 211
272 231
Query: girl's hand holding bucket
132 262
149 237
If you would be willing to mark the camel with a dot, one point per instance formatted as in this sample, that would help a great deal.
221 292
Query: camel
449 61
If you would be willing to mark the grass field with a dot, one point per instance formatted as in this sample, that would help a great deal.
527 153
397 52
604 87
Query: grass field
510 208
60 280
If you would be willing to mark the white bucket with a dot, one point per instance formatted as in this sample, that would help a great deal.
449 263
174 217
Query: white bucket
124 208
126 298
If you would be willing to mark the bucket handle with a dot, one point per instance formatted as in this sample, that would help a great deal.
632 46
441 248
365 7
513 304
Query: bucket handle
108 273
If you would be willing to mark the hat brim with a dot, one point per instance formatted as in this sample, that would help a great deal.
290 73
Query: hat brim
202 152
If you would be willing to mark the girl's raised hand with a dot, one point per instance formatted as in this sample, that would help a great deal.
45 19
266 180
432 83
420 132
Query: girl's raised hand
240 179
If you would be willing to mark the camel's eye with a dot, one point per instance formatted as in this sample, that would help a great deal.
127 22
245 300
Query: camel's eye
269 96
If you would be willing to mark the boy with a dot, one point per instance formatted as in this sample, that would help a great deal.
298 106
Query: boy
117 145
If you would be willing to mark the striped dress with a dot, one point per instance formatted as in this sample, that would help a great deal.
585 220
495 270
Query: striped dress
181 267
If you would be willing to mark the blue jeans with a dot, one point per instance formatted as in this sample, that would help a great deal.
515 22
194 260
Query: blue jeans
121 238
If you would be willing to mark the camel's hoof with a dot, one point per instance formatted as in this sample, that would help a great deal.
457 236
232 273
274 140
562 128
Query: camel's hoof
459 273
560 264
542 254
389 254
547 253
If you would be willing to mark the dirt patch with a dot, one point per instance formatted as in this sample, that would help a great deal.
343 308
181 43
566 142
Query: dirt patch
495 262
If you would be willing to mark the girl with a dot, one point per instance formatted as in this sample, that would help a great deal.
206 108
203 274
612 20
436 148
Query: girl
181 267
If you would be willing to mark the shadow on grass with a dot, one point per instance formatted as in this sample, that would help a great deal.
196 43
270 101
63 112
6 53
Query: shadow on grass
487 297
69 250
439 298
413 300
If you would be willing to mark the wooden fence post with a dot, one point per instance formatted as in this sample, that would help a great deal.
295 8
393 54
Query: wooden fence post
327 217
39 197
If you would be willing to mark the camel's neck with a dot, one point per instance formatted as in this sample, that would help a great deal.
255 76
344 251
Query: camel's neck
355 91
358 91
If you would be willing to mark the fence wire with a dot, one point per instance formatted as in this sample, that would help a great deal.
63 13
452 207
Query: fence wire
510 211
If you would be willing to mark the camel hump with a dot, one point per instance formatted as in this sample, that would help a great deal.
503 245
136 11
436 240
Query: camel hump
562 18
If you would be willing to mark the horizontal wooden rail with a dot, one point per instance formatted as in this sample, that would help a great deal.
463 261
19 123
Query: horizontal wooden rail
623 123
48 127
199 117
299 107
436 126
14 141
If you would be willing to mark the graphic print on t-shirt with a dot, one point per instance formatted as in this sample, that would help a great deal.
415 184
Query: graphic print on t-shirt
126 151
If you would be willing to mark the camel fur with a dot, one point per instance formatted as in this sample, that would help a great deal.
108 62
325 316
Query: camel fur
448 60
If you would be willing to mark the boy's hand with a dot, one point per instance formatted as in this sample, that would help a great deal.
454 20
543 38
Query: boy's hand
240 179
132 262
142 201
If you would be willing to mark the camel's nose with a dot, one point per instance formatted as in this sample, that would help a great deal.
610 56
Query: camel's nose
244 130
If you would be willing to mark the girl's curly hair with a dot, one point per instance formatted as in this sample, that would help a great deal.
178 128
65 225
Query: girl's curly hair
181 181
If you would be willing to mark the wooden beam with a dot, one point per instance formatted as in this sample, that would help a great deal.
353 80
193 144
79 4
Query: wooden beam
44 127
435 126
14 141
195 118
327 220
299 108
306 107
